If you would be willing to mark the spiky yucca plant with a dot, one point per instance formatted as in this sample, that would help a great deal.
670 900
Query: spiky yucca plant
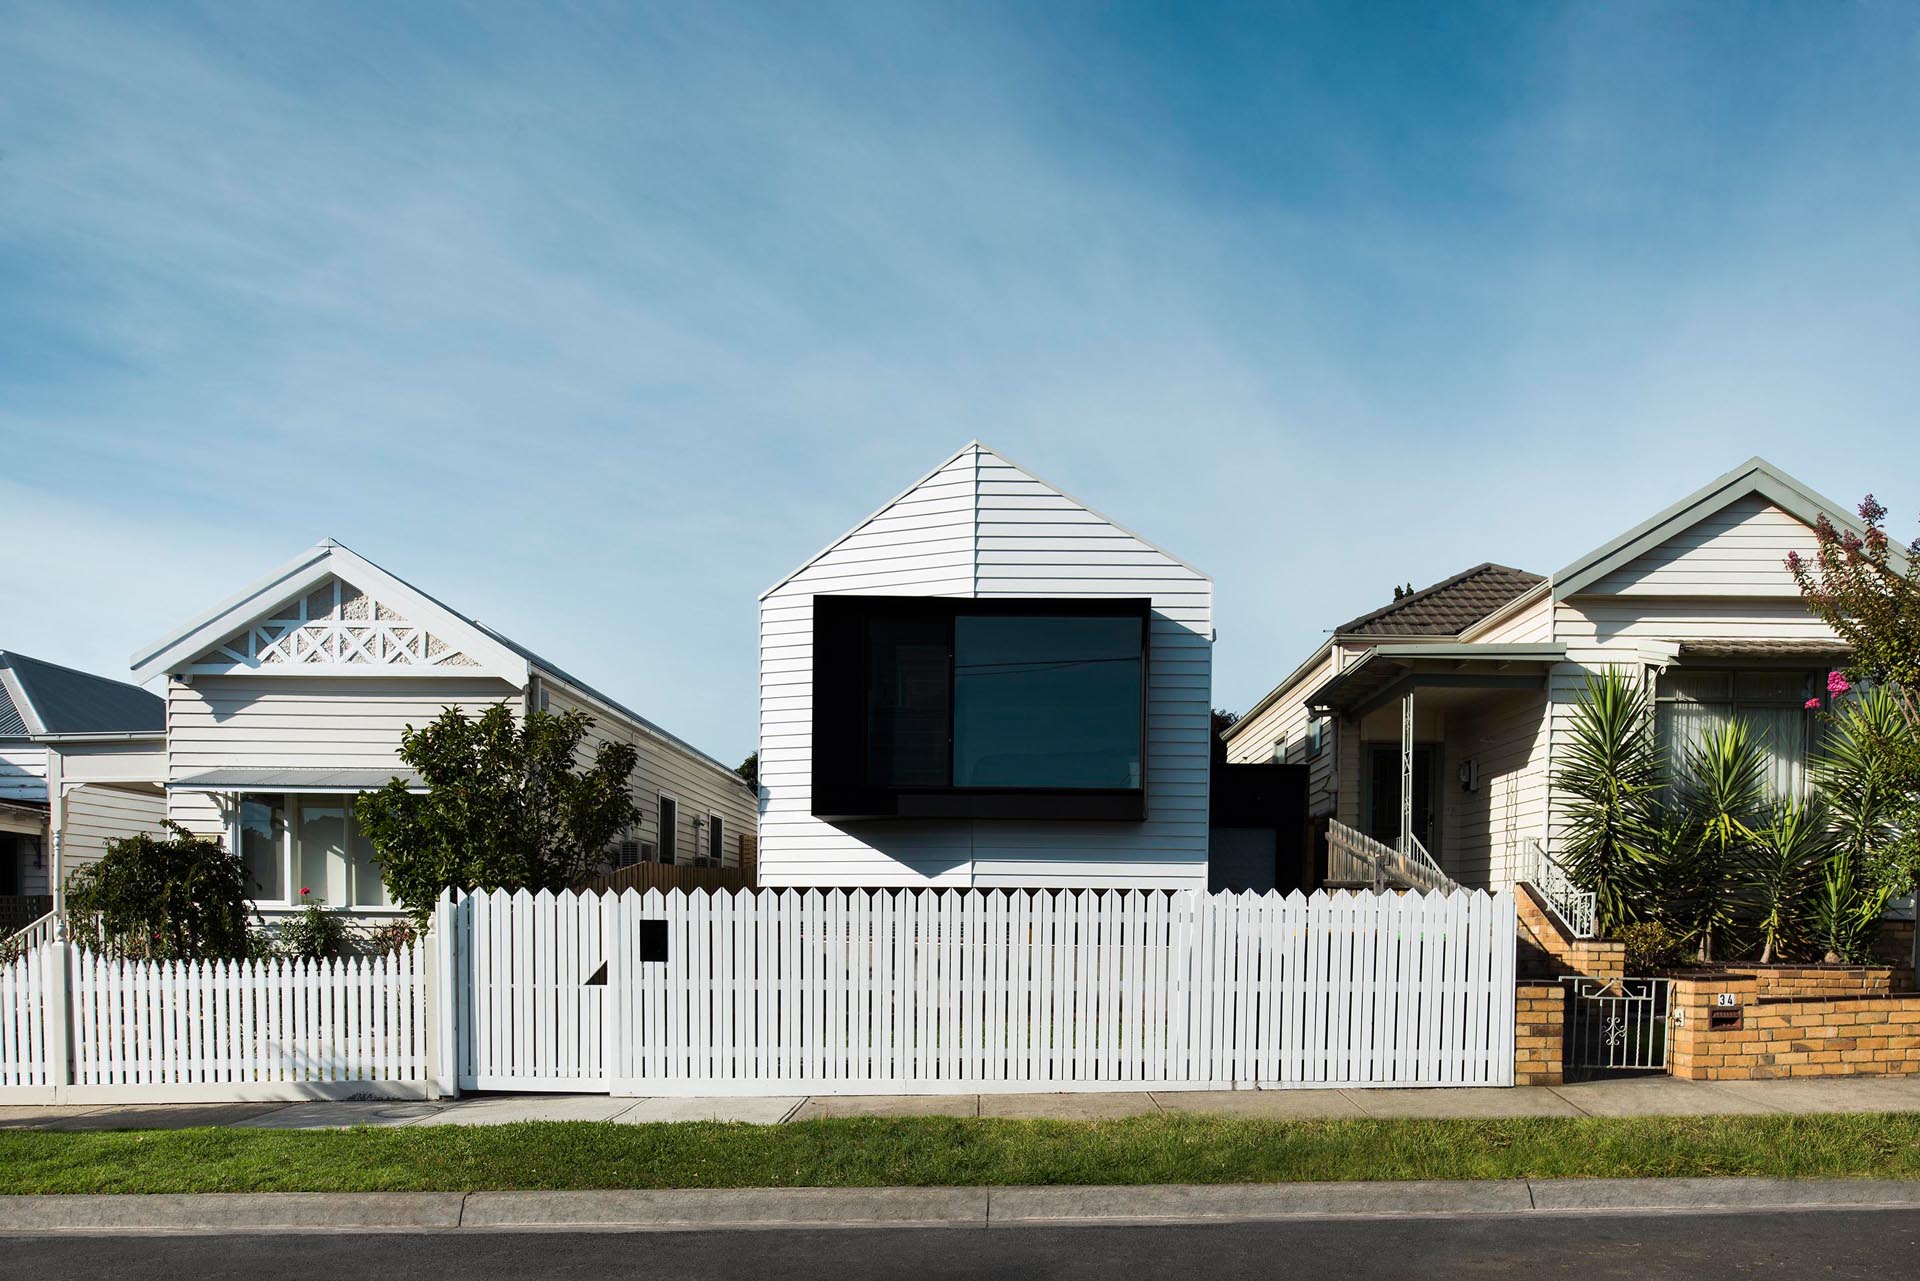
1789 851
1609 778
1721 796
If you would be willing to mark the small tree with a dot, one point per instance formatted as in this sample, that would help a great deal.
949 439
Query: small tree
1868 591
1610 778
177 897
504 806
749 769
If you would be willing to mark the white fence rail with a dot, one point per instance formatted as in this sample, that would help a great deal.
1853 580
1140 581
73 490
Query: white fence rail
1356 858
864 992
79 1027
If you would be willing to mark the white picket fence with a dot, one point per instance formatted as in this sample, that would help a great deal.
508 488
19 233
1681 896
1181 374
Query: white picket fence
919 992
24 989
145 1031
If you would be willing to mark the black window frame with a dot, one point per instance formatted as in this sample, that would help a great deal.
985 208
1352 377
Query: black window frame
841 792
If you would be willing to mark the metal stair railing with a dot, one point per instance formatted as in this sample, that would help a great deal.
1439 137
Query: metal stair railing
1576 908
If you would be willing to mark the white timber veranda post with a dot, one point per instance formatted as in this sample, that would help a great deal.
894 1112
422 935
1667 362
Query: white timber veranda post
443 979
1406 773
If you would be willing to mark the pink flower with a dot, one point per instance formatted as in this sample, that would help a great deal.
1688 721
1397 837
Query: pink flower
304 891
1813 704
1837 683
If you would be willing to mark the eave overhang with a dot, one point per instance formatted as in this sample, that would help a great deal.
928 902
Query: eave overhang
1387 672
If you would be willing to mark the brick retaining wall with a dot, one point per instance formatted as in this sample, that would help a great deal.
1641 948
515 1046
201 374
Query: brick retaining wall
1547 950
1770 1039
1539 1017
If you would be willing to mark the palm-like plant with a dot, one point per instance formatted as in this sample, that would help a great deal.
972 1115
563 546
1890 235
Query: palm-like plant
1846 912
1609 777
1724 787
1788 853
1861 771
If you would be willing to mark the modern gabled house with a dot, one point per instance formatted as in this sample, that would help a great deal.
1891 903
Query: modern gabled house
285 702
1436 720
82 759
986 684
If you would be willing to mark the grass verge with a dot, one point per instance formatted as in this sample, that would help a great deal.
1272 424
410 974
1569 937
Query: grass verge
934 1151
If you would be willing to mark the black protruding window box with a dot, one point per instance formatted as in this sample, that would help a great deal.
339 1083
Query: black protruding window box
939 707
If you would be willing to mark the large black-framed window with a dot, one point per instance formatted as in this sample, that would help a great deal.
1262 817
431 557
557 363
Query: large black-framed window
935 707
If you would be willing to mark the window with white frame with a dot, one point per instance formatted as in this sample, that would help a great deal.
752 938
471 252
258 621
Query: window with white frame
310 842
716 840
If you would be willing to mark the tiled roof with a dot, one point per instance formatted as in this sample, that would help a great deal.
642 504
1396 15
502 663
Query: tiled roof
1448 607
65 701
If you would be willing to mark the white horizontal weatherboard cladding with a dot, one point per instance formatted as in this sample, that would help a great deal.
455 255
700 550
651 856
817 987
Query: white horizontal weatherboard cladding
980 527
301 722
23 772
1740 550
95 816
693 781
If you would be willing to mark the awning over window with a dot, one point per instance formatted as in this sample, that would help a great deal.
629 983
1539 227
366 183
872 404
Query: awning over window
295 780
1815 651
1386 672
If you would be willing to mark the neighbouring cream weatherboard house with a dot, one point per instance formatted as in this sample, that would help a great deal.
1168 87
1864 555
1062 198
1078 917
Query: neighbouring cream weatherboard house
285 702
1443 711
81 764
986 683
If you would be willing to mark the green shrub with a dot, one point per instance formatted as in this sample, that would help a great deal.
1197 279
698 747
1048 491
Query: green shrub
315 934
1651 948
177 897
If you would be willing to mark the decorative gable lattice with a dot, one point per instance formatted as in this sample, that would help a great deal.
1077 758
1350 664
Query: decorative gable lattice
337 624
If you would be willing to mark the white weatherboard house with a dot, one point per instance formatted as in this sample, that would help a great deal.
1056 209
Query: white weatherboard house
989 684
81 764
288 700
1445 711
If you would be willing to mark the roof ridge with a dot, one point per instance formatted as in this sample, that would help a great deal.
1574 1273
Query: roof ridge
1433 589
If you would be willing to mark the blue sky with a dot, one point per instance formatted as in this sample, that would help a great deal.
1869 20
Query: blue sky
596 320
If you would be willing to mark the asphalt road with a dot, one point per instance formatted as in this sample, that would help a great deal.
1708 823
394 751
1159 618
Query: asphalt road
1812 1244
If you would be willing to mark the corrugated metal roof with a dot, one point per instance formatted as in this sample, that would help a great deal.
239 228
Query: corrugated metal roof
11 726
1448 607
66 701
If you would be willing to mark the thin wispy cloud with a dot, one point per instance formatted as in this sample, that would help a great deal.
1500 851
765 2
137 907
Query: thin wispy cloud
595 320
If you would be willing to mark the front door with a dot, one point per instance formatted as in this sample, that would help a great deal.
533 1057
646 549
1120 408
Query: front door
1383 793
13 852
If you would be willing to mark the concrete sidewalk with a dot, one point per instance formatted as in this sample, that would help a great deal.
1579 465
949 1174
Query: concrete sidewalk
977 1207
1647 1096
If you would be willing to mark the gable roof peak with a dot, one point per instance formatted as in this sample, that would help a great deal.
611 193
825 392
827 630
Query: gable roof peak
978 448
1754 476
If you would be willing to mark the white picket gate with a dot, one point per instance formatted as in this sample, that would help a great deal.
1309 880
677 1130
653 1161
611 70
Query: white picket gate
786 992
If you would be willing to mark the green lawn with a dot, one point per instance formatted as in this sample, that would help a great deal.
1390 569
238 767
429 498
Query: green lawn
930 1151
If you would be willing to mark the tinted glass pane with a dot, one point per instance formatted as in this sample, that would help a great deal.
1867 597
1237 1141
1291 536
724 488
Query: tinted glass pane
262 821
363 867
1046 702
320 849
669 828
907 725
